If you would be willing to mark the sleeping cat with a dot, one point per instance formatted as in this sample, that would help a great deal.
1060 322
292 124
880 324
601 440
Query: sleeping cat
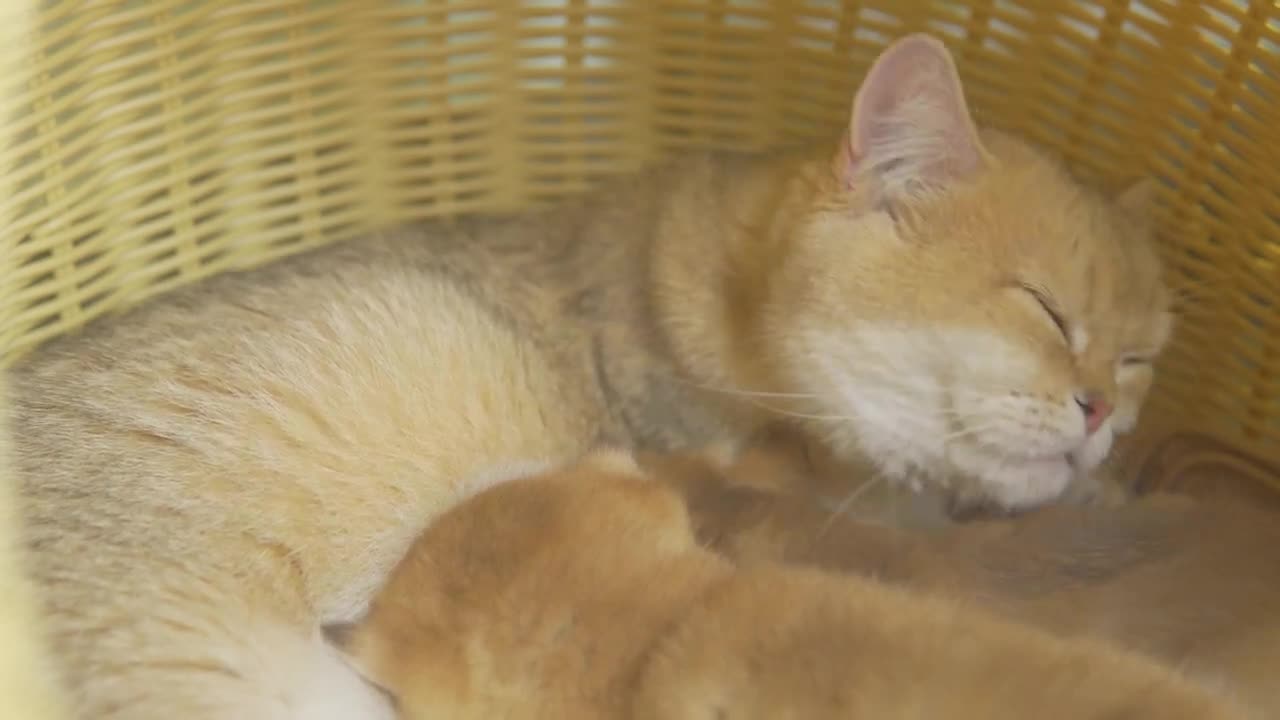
210 477
1195 584
583 594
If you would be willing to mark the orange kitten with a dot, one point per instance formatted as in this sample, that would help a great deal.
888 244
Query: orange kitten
209 478
1194 584
583 594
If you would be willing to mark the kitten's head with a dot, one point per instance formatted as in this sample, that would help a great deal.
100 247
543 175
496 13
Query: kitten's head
969 311
513 573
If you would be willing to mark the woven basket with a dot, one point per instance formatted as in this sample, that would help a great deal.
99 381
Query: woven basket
155 142
27 690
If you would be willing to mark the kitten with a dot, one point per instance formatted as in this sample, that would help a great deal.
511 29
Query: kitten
210 477
583 593
1195 584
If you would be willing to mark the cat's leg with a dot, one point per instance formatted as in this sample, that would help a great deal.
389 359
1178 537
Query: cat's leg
267 671
158 637
288 675
248 670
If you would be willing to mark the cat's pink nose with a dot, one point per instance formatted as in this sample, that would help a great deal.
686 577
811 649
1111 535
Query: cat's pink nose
1096 411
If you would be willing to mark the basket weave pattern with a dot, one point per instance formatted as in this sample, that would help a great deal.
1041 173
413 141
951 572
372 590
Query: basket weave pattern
157 142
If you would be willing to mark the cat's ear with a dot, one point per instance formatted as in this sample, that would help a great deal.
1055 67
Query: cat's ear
1139 200
910 128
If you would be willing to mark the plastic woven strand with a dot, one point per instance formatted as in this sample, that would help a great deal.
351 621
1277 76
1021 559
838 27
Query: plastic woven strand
159 142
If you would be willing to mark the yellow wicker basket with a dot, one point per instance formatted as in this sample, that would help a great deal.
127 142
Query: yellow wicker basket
154 142
27 689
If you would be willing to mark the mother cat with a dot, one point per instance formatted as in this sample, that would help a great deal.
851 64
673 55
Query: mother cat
210 477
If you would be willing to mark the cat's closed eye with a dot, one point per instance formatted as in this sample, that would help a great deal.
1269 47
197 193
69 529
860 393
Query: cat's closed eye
1049 307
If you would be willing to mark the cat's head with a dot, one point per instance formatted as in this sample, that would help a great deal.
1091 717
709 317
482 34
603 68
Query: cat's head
961 307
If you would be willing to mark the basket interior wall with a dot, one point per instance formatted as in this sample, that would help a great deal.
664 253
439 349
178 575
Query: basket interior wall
159 142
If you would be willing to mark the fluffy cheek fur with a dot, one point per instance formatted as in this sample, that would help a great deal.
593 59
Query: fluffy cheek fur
950 407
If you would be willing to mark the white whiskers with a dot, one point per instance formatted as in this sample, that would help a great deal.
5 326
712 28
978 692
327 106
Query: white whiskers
848 502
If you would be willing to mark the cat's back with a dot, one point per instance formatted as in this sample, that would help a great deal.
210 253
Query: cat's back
347 390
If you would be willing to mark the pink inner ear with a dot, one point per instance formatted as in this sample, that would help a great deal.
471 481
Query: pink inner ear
910 122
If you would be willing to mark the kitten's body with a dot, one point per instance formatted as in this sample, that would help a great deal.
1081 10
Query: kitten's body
210 477
582 594
1195 584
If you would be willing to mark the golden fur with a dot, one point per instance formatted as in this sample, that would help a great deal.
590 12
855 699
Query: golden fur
1194 584
583 594
210 477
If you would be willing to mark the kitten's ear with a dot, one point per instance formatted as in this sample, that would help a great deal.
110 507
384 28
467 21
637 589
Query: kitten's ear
339 635
1139 199
344 638
910 127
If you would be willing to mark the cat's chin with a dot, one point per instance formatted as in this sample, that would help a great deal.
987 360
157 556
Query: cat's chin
1023 483
971 475
1028 482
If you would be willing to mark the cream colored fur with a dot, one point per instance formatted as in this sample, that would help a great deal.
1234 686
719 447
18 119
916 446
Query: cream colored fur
28 685
246 459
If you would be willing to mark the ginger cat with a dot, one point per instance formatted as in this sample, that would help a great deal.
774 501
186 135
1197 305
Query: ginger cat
1195 584
209 478
583 594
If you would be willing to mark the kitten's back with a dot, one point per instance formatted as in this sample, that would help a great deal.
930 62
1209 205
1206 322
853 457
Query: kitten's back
781 642
1195 584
